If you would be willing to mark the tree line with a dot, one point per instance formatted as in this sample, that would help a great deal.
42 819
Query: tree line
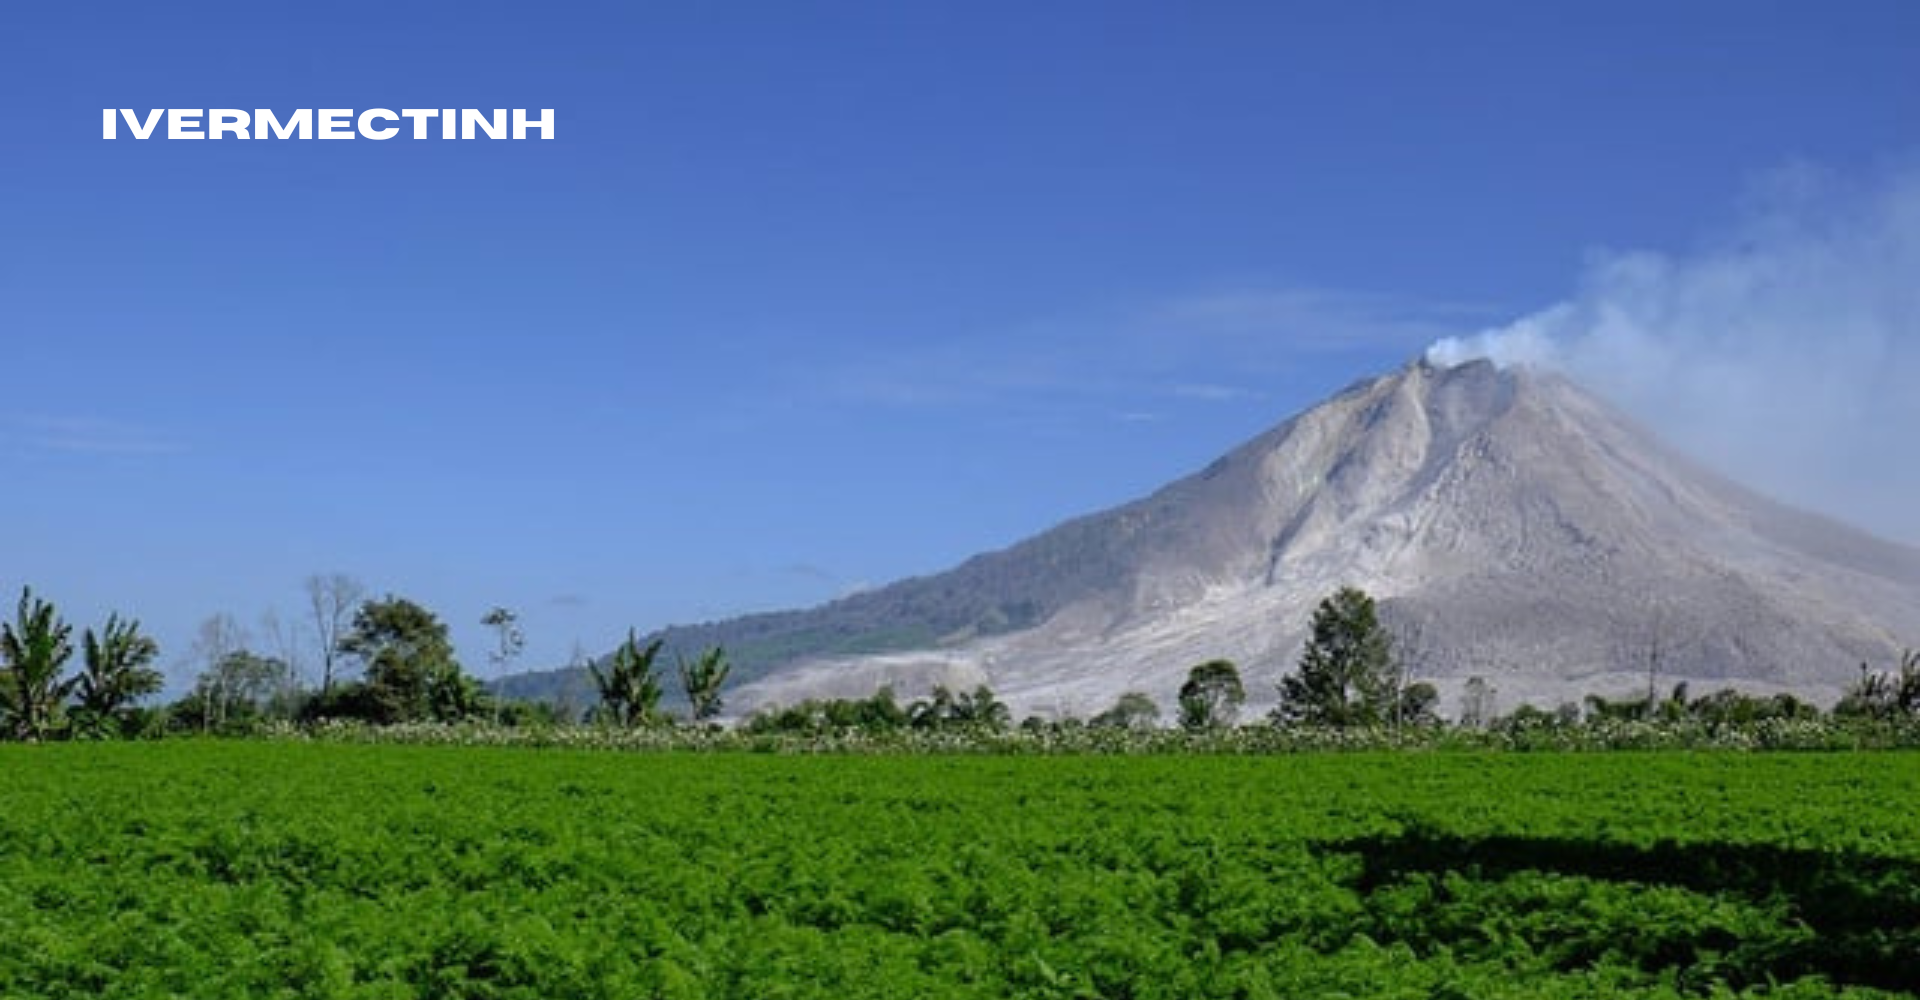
1352 675
407 672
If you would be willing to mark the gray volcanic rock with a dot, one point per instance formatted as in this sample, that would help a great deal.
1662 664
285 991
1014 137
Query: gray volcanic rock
1515 528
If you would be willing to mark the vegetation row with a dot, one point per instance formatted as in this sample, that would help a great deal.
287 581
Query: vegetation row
1352 688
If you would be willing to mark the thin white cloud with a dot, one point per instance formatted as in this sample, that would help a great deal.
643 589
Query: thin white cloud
1210 392
1193 348
1315 320
86 435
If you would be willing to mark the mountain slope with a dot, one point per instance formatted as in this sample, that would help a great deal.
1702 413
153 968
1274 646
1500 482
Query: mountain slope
1515 527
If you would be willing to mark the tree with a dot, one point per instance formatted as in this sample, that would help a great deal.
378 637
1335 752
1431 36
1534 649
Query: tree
1657 644
1409 702
34 649
117 672
983 709
236 691
283 640
630 690
1477 703
411 674
702 679
980 709
1415 705
1346 675
1132 710
1212 696
1885 695
219 638
510 640
332 599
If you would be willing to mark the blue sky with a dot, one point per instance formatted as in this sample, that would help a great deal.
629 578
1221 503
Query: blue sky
803 297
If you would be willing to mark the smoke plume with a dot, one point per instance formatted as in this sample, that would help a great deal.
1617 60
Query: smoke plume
1786 352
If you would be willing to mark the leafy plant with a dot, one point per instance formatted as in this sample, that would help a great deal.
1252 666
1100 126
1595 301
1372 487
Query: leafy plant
34 649
702 680
117 673
629 687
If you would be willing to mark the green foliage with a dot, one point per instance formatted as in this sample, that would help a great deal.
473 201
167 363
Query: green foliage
943 709
34 649
1885 695
117 673
630 688
1132 710
878 715
702 680
1212 696
231 869
1347 674
238 692
410 670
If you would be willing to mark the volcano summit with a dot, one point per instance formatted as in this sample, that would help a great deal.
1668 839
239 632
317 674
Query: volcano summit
1514 527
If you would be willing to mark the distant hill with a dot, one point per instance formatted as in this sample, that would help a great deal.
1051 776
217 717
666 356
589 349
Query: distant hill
1516 528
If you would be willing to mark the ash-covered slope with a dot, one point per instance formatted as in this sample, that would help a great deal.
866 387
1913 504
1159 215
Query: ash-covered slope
1517 528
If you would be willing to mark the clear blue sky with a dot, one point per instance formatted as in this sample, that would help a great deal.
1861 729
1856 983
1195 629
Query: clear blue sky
803 296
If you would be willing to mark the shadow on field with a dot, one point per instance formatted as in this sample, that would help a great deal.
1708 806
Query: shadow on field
1848 917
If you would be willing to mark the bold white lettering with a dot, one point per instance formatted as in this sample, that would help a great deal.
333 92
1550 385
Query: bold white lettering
495 128
544 123
448 117
109 123
377 133
264 122
227 120
184 123
333 123
141 131
419 116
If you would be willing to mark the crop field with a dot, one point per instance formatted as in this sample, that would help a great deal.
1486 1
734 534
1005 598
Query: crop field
257 869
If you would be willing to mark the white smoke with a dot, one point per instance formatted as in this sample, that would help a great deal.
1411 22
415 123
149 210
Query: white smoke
1786 353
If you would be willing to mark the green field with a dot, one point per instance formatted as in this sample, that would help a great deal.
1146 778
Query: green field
253 869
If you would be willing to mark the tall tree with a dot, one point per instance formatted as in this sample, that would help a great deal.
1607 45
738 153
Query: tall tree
702 679
1346 675
117 671
284 640
411 674
1212 696
219 638
629 688
34 649
332 599
1477 703
509 640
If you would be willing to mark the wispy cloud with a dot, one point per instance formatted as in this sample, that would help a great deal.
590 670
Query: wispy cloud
1209 392
1295 321
809 571
87 435
1189 348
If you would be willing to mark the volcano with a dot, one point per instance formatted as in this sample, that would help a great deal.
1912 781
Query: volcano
1514 528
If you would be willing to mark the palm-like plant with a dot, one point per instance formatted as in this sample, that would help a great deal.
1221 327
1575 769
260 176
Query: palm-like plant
702 679
34 649
629 688
116 672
